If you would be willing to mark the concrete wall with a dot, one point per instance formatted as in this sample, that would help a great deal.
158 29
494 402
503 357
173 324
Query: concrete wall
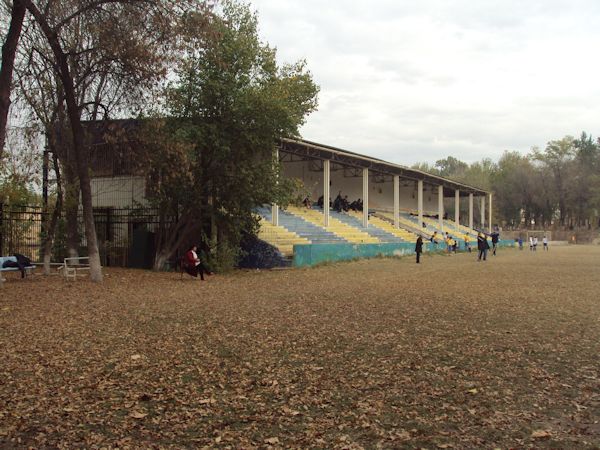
381 195
314 254
118 192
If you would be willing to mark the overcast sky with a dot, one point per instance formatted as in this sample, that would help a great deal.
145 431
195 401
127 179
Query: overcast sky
412 81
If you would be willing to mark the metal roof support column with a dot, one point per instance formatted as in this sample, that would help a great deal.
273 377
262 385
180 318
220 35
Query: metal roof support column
482 225
471 210
396 201
456 209
365 178
275 207
490 214
441 207
326 195
420 202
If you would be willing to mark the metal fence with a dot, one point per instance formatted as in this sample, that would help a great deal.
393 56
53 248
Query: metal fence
126 237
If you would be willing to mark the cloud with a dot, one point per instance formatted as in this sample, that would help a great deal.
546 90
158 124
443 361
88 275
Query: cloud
417 81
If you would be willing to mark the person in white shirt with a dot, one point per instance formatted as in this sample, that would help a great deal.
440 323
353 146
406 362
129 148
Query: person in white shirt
530 243
535 243
545 242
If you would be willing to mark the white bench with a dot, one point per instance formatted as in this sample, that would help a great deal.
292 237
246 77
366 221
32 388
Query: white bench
72 266
3 259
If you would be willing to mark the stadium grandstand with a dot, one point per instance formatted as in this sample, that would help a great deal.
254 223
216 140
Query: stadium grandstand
397 203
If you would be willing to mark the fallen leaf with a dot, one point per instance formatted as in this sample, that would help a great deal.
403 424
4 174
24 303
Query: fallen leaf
539 434
138 414
272 440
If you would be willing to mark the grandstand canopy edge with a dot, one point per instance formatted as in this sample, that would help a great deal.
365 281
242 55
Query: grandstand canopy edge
306 150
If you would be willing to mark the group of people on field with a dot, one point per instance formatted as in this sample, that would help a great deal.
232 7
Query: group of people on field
452 244
533 243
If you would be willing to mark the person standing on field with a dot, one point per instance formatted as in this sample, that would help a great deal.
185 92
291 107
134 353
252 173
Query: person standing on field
482 247
419 248
545 242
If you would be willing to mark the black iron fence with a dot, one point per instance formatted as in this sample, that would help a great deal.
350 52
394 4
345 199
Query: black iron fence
126 237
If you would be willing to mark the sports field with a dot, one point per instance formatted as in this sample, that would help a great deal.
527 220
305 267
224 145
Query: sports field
451 353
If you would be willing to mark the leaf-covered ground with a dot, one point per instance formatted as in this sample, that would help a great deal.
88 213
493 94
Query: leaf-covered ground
384 353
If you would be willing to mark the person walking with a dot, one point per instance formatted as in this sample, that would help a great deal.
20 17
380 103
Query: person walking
419 249
495 237
468 242
482 247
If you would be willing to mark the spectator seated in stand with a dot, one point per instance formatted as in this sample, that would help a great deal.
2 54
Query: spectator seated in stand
337 203
306 202
320 202
345 203
356 205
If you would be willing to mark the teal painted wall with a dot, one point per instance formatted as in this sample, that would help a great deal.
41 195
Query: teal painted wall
313 254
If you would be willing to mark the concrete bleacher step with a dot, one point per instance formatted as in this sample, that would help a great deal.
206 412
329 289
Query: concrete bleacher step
408 229
343 230
281 238
376 227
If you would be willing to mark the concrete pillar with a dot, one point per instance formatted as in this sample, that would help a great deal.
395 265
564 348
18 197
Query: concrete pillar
420 202
471 210
490 214
441 207
396 201
482 203
365 178
326 194
456 208
275 207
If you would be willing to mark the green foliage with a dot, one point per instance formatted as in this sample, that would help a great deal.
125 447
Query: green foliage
213 157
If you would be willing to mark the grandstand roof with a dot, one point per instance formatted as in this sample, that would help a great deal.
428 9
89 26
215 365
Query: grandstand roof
313 150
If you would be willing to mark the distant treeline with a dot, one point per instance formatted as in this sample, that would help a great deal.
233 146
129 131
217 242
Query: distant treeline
557 186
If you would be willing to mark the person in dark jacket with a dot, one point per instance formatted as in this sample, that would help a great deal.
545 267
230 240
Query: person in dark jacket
419 248
495 237
21 263
482 246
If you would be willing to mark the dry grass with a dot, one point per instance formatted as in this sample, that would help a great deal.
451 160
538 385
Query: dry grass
449 354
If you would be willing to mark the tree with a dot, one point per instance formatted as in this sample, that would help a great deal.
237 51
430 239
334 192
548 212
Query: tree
230 105
556 158
451 167
9 50
122 45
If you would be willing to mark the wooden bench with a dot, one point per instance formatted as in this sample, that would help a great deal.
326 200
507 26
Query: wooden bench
3 259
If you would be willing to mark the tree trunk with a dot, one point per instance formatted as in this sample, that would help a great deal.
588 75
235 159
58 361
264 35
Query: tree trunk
9 50
47 249
71 210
